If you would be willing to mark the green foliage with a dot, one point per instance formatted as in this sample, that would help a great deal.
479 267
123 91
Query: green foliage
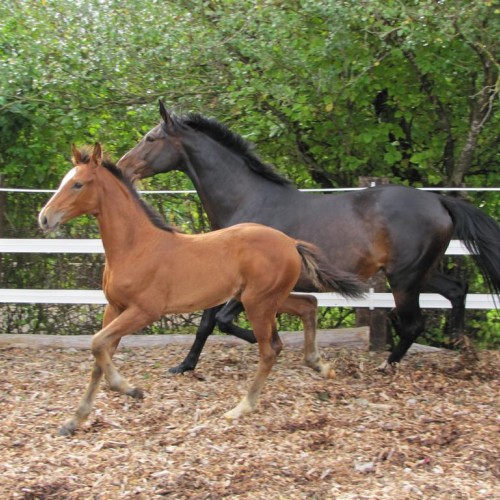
328 90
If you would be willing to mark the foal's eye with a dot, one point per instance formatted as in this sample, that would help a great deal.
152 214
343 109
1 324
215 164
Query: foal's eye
150 138
77 185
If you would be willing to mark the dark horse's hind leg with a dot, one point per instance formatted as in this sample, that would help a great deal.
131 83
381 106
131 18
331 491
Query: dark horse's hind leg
455 291
408 323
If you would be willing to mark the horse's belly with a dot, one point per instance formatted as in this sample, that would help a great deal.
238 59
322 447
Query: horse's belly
200 291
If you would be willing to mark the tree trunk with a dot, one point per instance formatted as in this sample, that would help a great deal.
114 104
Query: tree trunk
481 109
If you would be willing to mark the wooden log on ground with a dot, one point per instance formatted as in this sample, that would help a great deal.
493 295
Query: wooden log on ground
349 338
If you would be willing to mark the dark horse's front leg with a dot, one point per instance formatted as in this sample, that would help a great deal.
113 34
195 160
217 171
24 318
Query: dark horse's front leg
225 318
207 325
221 315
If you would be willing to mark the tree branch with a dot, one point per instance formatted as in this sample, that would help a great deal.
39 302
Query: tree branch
314 168
481 106
444 120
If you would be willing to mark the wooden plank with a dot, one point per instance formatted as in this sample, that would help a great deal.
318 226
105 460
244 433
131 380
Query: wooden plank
349 338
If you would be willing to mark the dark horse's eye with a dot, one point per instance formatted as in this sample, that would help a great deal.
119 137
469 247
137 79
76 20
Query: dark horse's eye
150 138
77 185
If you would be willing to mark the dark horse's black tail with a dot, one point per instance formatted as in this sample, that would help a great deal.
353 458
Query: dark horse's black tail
326 277
480 234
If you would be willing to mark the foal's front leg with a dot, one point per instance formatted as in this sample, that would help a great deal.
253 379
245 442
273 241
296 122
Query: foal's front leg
110 313
104 344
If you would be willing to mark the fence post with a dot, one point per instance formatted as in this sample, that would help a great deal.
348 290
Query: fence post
376 319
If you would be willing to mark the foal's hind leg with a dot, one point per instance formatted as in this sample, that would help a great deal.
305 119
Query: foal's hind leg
303 306
306 308
104 345
269 347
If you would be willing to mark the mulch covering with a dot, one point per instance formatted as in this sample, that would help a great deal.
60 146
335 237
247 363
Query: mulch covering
427 430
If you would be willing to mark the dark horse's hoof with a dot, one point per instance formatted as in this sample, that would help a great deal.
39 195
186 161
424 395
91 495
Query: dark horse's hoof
386 367
179 369
136 393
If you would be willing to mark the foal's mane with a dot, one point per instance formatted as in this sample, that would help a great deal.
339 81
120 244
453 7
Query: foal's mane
153 215
231 140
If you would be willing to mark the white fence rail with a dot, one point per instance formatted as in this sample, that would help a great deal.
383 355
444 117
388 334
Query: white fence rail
30 296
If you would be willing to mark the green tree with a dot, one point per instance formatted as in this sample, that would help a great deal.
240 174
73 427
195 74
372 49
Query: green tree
328 90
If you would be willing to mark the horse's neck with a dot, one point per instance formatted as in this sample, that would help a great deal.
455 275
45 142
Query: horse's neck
122 222
223 181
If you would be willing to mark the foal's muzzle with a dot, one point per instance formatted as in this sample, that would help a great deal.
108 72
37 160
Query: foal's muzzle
49 222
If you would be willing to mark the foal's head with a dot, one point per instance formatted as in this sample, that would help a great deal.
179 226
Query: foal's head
76 194
80 192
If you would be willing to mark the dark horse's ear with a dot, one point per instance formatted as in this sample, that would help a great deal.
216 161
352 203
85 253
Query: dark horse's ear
166 117
76 154
96 155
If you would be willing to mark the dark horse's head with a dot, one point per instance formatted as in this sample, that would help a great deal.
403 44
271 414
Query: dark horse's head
179 141
160 150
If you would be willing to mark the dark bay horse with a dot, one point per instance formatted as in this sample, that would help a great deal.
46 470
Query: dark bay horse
152 270
402 231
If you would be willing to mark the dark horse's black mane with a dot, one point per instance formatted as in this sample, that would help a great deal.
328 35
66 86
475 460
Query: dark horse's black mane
223 135
153 215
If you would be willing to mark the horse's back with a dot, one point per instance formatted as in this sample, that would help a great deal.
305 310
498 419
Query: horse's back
244 244
266 261
410 213
373 228
418 227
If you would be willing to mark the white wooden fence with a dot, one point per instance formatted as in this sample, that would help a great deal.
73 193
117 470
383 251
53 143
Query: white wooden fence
30 296
372 300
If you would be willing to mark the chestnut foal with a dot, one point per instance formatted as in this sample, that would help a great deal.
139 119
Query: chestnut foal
152 270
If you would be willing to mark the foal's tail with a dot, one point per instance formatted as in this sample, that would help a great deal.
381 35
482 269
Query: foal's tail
481 236
325 277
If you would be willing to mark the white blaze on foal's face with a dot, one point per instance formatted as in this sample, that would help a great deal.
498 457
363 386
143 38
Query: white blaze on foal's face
62 206
67 178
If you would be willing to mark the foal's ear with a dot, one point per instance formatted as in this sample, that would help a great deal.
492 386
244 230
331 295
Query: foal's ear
166 117
96 155
76 154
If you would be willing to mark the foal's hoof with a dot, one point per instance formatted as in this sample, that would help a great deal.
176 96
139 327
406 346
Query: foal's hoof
67 430
232 415
243 408
327 372
136 393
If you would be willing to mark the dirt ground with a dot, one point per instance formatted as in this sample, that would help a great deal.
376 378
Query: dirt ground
428 430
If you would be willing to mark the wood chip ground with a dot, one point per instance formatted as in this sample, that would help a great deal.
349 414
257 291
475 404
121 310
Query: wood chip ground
428 430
